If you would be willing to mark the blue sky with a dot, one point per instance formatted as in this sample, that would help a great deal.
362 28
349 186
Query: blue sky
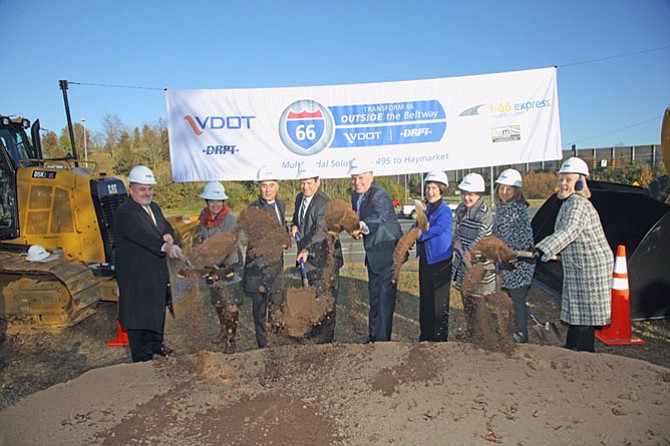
604 100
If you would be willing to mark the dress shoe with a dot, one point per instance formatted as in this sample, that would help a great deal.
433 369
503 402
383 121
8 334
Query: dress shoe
368 340
165 351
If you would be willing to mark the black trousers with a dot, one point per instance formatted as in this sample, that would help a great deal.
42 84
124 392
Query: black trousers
263 305
382 296
581 338
325 332
434 296
144 344
518 296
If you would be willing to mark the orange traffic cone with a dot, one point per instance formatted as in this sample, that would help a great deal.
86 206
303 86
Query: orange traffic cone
121 339
619 331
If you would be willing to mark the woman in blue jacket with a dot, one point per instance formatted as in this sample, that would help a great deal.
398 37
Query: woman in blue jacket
434 250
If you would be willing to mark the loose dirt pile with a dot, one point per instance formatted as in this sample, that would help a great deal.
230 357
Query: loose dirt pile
386 393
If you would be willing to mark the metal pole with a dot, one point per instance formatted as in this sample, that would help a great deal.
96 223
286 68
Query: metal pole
491 184
83 120
63 86
653 155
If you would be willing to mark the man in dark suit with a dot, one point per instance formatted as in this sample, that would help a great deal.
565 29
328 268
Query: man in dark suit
310 230
380 231
144 239
264 275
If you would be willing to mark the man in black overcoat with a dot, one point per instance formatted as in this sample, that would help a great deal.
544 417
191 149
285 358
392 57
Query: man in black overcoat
144 240
264 276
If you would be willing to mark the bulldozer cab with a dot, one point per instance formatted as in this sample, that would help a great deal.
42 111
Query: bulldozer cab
14 147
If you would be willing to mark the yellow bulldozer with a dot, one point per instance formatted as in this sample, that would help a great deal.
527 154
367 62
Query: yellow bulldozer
65 205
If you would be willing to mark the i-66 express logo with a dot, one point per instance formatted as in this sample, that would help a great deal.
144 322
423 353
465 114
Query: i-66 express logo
306 127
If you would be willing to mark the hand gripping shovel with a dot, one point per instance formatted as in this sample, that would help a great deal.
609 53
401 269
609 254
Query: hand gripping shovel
547 332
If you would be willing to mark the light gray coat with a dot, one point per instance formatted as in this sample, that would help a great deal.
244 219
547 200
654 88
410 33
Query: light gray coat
587 261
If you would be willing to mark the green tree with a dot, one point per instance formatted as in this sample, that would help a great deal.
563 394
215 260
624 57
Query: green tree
125 159
50 146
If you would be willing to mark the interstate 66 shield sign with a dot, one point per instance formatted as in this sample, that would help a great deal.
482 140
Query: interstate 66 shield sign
306 127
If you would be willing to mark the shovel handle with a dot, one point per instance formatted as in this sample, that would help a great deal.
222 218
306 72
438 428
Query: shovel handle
529 255
186 261
532 316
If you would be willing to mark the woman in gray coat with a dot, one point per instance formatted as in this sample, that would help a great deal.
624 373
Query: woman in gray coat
586 256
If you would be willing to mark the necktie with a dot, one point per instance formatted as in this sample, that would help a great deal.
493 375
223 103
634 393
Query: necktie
274 205
151 214
303 209
358 205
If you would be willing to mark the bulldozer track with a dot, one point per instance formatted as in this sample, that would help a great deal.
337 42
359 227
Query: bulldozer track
47 296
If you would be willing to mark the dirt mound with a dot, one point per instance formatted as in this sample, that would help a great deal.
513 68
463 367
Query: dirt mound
386 393
340 217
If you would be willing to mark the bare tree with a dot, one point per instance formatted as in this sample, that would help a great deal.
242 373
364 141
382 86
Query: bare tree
112 128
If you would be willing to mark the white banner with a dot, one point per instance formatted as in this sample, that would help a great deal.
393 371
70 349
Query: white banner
394 127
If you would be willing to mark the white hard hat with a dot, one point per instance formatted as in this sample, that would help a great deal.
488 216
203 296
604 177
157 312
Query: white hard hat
265 173
437 176
306 173
214 191
472 182
575 165
37 253
510 177
141 175
359 167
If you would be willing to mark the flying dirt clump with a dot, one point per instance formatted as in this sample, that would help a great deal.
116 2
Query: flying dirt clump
264 235
401 251
309 306
408 240
213 250
302 311
340 217
488 315
494 250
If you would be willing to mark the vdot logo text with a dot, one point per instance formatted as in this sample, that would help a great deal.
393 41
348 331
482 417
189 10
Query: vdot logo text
200 124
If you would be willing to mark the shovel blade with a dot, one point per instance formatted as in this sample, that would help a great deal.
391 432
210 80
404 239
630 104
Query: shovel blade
539 331
553 336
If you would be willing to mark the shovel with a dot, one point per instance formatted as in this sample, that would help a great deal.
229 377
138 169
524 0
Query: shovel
186 261
547 332
303 274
